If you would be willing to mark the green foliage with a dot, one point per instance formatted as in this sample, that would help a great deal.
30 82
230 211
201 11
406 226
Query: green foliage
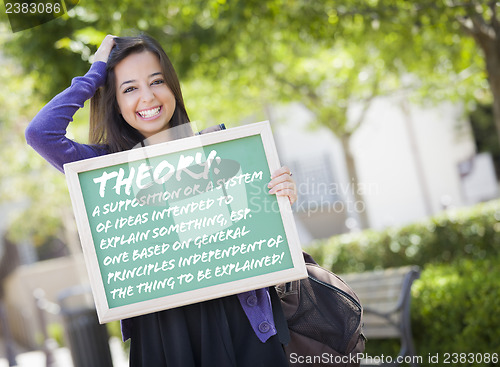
56 332
277 47
455 309
236 57
455 301
471 233
36 192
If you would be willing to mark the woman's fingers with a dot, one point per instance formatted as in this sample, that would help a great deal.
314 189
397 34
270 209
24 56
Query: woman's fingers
282 184
105 48
281 171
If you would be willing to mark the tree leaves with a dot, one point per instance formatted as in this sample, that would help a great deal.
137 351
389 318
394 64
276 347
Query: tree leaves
236 57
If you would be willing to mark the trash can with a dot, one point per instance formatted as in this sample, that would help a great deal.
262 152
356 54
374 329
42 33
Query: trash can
87 340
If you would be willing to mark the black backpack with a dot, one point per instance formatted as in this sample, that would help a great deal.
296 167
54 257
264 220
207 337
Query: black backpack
324 318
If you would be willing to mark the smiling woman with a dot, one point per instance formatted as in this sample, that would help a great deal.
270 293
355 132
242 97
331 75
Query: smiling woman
145 101
136 95
141 96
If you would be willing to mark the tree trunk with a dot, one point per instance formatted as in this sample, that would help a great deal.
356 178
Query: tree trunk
493 69
359 204
491 49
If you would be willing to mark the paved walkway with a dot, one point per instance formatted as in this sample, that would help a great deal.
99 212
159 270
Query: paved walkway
62 356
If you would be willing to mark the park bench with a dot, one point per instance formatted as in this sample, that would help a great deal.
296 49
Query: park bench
386 296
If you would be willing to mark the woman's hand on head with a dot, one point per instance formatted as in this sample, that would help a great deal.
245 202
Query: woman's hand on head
282 184
104 49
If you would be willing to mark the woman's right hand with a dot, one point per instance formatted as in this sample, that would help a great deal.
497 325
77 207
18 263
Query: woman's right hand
104 49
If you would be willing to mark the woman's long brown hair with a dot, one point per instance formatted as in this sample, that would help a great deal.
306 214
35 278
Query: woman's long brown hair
107 126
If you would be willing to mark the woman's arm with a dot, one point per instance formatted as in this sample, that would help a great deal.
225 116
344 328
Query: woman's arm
47 131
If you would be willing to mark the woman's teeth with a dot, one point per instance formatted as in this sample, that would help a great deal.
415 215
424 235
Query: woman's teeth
149 113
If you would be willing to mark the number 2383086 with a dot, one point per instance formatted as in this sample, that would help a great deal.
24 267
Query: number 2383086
33 8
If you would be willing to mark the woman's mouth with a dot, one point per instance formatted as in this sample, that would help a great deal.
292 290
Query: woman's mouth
150 113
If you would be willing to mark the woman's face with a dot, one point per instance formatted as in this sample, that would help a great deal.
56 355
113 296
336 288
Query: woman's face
144 98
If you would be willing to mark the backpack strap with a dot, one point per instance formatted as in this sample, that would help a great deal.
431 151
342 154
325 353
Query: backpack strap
279 317
308 258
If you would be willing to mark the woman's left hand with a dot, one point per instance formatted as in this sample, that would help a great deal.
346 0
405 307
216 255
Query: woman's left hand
282 184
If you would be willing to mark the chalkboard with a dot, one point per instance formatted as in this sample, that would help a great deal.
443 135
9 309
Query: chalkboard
183 221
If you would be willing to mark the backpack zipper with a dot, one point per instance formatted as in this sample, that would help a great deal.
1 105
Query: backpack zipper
338 290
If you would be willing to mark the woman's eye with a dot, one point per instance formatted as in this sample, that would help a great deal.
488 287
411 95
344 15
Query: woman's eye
159 81
129 89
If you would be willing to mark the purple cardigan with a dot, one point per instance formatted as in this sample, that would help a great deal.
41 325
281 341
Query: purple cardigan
47 135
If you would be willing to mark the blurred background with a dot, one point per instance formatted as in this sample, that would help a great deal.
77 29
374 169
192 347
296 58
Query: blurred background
387 112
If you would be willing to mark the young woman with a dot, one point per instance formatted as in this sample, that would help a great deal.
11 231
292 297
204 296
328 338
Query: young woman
136 96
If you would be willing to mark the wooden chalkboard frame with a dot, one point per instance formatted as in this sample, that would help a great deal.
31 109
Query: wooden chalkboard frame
106 313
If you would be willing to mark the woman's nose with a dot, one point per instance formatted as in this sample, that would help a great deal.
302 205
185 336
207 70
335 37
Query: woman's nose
147 94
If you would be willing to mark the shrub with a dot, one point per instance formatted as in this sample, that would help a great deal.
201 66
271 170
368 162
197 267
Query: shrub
454 303
455 310
471 233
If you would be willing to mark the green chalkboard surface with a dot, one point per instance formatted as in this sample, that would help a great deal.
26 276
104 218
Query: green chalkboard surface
183 221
